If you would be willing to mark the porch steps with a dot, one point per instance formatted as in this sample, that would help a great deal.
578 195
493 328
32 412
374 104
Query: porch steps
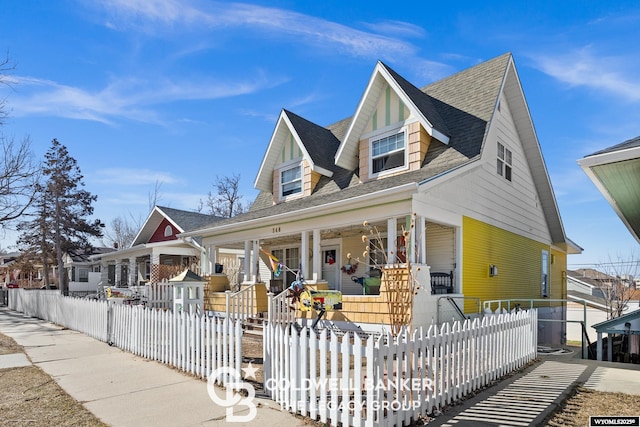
253 326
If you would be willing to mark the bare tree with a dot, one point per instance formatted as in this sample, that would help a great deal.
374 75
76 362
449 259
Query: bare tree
19 174
154 195
5 67
618 283
121 232
227 201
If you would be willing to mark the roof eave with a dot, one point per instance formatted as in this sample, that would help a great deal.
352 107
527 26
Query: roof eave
390 194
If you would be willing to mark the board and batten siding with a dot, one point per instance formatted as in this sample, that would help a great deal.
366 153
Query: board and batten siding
518 259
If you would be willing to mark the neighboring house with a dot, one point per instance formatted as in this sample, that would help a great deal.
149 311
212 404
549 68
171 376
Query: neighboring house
83 271
12 273
157 253
615 171
459 156
585 299
626 329
7 267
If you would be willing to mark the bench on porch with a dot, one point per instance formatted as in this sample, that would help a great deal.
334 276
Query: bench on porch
442 283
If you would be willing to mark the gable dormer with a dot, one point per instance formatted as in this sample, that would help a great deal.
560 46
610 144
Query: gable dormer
391 129
299 153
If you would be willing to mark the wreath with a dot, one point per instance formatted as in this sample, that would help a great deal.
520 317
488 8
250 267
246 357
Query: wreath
349 267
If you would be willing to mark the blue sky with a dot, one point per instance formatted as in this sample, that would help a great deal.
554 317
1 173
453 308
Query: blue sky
179 92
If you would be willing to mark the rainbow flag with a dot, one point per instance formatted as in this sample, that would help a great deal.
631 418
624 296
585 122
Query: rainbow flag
276 265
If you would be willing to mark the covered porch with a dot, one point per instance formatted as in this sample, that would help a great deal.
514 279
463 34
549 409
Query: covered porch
330 253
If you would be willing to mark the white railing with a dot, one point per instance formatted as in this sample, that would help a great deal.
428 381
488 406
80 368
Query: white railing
242 304
191 343
281 310
390 381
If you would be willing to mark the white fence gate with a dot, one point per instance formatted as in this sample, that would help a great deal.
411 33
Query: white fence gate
192 343
390 381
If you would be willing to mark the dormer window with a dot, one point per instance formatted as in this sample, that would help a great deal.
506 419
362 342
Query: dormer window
291 181
388 153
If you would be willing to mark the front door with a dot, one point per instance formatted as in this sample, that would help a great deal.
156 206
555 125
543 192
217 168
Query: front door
331 267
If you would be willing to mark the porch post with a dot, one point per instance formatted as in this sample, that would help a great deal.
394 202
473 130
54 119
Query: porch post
392 233
118 271
317 256
256 261
212 259
599 347
413 247
609 347
304 256
104 273
155 268
247 261
132 272
422 239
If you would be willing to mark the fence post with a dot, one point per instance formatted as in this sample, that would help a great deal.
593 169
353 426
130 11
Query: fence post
270 307
227 295
110 323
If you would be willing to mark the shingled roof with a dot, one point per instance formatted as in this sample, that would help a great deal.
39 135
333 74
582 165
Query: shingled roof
462 105
318 141
187 220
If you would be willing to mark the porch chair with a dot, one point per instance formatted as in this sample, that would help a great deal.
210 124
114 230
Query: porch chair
442 283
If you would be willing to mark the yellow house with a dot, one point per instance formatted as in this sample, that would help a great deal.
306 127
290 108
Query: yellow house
458 159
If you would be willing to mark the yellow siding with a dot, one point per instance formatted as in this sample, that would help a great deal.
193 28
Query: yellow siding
518 259
558 272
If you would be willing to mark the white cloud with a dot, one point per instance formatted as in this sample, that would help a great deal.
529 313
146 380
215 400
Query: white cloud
582 67
399 28
123 98
158 15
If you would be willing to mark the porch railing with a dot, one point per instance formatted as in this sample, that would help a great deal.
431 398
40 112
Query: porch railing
280 309
241 305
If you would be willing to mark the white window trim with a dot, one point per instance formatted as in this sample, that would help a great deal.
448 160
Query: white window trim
545 284
284 167
504 161
383 133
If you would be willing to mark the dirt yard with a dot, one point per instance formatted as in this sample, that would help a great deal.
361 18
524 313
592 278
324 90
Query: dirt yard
30 397
584 402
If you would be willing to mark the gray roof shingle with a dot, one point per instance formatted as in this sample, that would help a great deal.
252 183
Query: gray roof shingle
631 143
462 105
187 220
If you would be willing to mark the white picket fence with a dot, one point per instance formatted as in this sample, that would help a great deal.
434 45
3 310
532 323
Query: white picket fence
160 295
389 381
82 315
194 344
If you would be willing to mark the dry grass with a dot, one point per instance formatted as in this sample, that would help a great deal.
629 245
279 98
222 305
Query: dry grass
585 402
9 346
30 397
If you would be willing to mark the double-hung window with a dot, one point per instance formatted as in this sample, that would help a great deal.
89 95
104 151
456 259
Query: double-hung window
291 181
504 165
388 153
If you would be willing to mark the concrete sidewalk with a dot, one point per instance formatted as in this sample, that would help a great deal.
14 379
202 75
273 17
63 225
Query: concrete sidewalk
119 388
